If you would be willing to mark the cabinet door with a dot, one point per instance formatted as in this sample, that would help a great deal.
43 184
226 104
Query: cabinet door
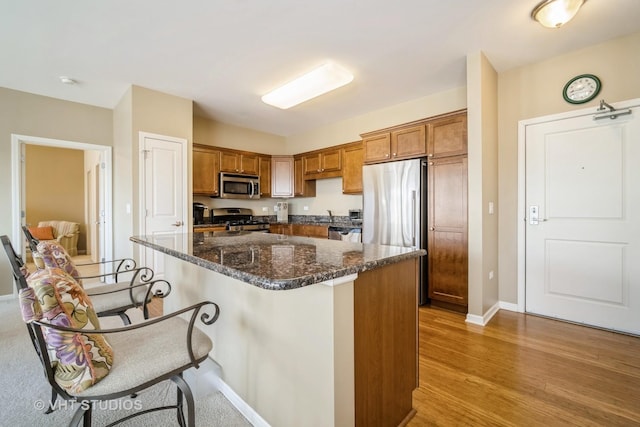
352 169
409 142
311 164
250 164
331 160
302 187
205 171
310 230
282 176
447 230
377 148
229 161
265 176
448 137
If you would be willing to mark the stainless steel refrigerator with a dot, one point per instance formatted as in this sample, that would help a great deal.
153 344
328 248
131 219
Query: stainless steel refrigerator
395 208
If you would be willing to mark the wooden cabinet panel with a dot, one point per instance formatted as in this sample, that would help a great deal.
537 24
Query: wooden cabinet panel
447 230
352 161
265 175
282 176
236 162
377 148
205 169
229 161
448 136
322 164
310 230
280 229
302 187
408 142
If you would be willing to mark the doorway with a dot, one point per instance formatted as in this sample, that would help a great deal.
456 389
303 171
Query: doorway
582 228
102 187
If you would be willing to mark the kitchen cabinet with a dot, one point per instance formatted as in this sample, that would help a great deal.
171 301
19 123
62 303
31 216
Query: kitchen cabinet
264 166
206 168
447 232
310 230
239 162
280 229
320 164
399 144
448 136
352 161
282 176
301 186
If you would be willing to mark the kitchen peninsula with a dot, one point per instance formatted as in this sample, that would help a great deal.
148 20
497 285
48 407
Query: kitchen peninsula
312 332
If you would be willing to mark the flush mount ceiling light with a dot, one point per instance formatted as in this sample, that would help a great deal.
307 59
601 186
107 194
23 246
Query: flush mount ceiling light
315 83
556 13
67 80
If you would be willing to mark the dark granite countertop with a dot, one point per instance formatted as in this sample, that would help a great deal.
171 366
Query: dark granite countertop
279 262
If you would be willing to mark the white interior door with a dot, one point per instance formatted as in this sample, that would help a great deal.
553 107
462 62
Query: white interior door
163 193
583 251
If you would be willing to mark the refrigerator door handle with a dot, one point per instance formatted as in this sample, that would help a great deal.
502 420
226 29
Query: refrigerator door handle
413 218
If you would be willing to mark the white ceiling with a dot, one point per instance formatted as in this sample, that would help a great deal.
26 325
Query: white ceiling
225 54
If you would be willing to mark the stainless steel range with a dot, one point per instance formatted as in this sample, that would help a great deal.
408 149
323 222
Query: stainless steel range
238 219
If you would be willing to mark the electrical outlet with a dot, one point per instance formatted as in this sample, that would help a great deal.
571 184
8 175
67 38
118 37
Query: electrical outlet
275 208
306 208
265 209
491 275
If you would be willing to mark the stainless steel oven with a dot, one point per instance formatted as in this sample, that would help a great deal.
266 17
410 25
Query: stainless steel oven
239 186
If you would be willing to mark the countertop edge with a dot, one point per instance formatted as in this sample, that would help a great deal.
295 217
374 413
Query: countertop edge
280 284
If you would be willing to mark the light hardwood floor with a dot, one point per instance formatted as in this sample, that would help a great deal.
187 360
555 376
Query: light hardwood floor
523 370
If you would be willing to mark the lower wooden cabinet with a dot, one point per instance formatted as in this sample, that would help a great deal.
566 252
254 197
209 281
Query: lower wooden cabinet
447 232
310 230
280 229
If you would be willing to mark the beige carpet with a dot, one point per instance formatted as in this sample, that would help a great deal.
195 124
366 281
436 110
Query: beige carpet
23 388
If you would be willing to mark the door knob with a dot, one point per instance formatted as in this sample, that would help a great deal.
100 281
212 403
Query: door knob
177 223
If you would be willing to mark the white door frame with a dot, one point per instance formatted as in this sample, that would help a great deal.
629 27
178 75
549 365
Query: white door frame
17 191
141 182
522 208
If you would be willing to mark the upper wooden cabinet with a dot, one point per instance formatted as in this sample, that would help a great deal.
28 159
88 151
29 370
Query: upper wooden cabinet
325 163
301 186
441 136
239 162
408 142
265 175
403 143
352 160
206 168
282 176
448 136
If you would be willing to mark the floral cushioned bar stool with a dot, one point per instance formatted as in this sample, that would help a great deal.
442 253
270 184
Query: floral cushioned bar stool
140 355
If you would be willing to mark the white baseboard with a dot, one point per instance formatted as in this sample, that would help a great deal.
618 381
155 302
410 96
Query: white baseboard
7 297
212 379
484 319
509 306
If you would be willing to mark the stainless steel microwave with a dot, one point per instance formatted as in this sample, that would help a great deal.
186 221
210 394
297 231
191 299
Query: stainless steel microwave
239 186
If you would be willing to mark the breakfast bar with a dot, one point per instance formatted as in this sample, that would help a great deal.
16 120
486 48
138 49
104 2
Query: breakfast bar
312 332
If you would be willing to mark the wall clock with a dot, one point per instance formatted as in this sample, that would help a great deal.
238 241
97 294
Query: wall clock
581 89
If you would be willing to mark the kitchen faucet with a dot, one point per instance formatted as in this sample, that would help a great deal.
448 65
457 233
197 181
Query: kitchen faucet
330 216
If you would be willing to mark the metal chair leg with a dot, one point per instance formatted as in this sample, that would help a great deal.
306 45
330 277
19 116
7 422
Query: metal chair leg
185 391
125 318
54 396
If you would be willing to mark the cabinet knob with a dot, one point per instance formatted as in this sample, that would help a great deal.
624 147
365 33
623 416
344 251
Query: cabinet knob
394 154
430 163
431 228
430 155
386 155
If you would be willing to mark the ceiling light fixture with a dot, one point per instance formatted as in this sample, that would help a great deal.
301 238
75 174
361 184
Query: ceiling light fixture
315 83
556 13
67 80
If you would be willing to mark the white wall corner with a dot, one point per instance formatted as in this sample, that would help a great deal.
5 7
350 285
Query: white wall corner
484 319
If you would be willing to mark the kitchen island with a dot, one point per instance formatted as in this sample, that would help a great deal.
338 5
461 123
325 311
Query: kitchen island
311 332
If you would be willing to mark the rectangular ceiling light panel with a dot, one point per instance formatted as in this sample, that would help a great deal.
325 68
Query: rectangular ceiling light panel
316 82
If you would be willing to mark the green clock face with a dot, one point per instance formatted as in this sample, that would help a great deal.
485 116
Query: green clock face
581 89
